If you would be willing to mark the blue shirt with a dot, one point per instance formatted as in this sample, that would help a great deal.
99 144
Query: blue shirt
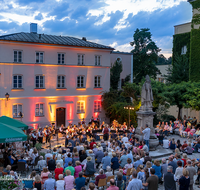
67 160
11 160
99 155
157 171
137 163
50 184
106 162
22 161
80 182
135 184
123 160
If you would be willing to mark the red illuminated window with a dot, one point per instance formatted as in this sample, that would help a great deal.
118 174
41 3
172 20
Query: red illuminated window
97 106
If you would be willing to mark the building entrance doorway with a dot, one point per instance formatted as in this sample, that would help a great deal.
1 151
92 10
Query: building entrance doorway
60 116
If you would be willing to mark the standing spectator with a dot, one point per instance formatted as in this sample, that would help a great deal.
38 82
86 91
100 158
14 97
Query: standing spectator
59 160
169 182
58 170
89 169
157 169
51 164
106 161
60 184
123 160
112 185
44 174
135 184
172 163
178 172
70 168
67 160
184 181
164 166
192 173
76 158
50 183
99 155
152 181
69 180
80 181
78 168
146 133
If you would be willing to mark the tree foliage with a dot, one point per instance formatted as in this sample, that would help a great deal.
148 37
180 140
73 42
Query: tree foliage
162 60
145 55
115 71
179 71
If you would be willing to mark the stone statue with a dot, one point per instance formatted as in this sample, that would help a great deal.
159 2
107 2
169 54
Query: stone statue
146 95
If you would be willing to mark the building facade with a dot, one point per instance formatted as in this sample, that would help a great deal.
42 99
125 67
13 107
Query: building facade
52 79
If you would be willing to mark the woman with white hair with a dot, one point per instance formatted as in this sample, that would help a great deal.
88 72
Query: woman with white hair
108 171
58 170
60 184
59 160
41 163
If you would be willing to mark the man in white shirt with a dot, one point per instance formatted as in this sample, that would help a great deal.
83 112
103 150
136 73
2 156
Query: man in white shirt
48 155
146 133
124 139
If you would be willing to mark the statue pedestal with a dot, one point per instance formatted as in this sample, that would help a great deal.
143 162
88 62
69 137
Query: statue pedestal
145 116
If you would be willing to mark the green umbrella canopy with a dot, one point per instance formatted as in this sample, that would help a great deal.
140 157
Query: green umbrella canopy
10 134
13 122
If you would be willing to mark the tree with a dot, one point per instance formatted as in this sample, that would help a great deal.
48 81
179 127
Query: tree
115 71
176 94
193 96
162 60
179 71
145 55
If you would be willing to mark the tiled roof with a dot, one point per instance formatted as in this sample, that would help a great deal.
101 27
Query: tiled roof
120 52
52 39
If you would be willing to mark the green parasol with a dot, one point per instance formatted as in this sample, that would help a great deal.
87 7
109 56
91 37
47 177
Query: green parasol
10 134
13 122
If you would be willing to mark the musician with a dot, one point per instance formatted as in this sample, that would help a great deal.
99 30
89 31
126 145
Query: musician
47 135
83 121
98 121
92 120
106 132
40 135
124 126
102 125
34 137
61 130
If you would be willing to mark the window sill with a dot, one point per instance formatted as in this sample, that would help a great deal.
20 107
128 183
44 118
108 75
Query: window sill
61 64
39 89
83 88
80 112
61 88
15 117
80 65
17 62
17 89
97 111
39 115
98 88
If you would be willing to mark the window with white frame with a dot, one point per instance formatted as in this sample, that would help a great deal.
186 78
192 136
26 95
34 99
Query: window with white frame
39 81
61 58
97 60
17 110
97 81
97 106
17 81
60 81
39 57
17 56
80 107
81 59
183 50
80 82
39 109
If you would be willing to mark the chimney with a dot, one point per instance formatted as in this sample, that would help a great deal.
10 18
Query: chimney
33 28
84 38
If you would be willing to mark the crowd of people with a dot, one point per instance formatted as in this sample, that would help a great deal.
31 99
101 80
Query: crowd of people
121 160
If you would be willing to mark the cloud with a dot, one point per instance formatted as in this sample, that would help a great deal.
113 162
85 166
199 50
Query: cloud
39 16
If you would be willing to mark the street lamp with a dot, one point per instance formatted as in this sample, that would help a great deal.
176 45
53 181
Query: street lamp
129 108
7 96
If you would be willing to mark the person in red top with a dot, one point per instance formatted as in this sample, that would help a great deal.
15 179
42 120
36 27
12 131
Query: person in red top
58 170
100 176
92 143
184 145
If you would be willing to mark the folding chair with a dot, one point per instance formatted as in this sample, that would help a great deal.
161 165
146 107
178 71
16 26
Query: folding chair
102 183
28 184
109 178
128 174
21 167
